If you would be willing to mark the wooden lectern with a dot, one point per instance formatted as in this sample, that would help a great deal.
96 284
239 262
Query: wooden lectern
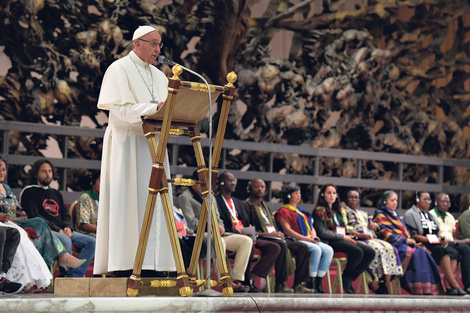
186 105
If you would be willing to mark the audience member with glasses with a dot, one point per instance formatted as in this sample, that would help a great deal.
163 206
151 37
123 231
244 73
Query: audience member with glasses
424 229
387 262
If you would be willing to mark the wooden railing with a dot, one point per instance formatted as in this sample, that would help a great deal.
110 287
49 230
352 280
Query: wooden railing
315 178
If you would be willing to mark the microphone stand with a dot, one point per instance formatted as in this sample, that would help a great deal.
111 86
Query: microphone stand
208 292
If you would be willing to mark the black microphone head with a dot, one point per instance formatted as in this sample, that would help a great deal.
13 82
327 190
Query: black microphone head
162 59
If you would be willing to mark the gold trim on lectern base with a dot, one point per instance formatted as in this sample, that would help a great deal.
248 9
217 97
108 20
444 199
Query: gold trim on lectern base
183 181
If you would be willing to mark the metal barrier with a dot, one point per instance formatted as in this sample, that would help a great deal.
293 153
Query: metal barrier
316 178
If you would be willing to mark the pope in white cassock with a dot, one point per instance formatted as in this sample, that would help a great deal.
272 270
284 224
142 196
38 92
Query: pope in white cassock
132 87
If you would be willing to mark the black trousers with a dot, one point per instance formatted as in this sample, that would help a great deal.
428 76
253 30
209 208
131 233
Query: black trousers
359 257
301 254
9 241
299 251
464 252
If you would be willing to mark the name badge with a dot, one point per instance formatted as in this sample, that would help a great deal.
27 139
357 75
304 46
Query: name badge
238 226
270 229
180 229
341 230
432 238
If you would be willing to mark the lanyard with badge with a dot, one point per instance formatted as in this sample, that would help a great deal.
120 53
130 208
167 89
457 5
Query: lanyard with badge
236 223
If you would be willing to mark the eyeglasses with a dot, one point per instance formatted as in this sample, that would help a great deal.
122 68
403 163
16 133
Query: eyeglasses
353 198
153 43
427 199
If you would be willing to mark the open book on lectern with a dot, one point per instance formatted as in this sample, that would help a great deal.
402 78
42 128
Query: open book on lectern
191 102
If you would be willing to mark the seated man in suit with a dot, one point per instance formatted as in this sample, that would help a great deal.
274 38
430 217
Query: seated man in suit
190 203
47 203
233 214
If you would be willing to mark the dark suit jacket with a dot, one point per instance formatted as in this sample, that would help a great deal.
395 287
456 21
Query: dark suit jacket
225 213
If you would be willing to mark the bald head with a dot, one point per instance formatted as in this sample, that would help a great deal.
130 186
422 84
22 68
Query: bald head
442 203
257 189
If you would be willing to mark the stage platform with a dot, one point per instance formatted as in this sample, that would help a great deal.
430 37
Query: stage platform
238 303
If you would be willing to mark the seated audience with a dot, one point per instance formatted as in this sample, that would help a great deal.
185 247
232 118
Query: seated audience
447 227
422 275
297 223
47 203
330 224
27 267
447 230
190 202
424 229
261 218
9 241
464 220
387 260
87 207
232 212
187 239
48 245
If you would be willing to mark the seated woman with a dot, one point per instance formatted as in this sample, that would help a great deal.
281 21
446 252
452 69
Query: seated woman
387 260
28 267
424 229
48 245
421 273
331 228
88 207
297 223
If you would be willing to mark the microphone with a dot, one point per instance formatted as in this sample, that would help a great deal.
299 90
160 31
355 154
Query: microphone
162 59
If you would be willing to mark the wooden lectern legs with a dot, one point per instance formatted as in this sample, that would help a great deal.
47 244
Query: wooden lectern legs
159 185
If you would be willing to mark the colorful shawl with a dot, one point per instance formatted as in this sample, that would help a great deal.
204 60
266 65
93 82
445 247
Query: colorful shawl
304 219
328 219
391 226
423 275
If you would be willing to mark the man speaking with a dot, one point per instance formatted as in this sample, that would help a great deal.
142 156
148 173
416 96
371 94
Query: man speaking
132 87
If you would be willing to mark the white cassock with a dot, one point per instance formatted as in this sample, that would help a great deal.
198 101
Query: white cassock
126 165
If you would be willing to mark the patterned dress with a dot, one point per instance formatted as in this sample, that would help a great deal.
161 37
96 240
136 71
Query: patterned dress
387 260
421 272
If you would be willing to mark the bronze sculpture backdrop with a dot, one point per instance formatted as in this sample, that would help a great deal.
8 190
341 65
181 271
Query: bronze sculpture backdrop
370 75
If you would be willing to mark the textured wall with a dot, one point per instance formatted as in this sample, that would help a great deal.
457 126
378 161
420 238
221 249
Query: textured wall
369 75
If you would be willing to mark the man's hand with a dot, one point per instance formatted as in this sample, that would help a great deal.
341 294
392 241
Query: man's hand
159 105
66 231
221 230
410 242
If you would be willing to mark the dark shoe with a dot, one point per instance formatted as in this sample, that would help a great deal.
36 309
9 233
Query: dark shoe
347 285
238 287
283 289
9 286
380 290
455 292
253 289
318 285
302 289
311 285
